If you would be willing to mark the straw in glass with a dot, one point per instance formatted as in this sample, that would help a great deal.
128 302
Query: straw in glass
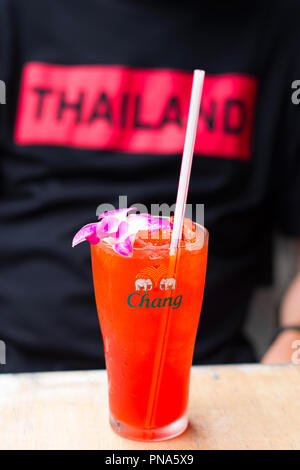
184 179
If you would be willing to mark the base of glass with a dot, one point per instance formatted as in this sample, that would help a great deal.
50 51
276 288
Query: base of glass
156 434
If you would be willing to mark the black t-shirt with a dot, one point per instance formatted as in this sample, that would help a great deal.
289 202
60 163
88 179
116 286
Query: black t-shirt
97 100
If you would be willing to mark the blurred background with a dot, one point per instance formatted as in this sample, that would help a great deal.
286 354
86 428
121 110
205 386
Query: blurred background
97 103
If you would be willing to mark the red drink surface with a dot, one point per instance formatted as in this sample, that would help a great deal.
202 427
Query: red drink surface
133 296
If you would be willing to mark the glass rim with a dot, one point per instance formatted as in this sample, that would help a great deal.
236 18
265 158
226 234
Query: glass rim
164 247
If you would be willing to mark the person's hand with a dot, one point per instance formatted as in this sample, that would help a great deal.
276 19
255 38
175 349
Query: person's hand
290 307
284 346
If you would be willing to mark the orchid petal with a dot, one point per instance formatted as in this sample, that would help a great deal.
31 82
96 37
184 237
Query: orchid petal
120 229
108 224
88 232
124 248
120 213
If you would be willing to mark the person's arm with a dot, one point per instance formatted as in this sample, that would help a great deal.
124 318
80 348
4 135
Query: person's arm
282 350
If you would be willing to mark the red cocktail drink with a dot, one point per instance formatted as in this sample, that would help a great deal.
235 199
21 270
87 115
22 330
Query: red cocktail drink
149 307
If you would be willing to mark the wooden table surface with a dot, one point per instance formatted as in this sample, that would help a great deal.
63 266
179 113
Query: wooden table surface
231 407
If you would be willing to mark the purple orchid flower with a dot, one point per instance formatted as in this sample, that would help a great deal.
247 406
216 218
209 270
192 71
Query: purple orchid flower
119 229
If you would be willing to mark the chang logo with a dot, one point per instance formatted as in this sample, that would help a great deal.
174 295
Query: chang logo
167 283
154 278
144 284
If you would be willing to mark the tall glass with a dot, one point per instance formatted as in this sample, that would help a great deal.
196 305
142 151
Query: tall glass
149 310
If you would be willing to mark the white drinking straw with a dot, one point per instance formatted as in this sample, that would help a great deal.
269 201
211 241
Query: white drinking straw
187 158
186 164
